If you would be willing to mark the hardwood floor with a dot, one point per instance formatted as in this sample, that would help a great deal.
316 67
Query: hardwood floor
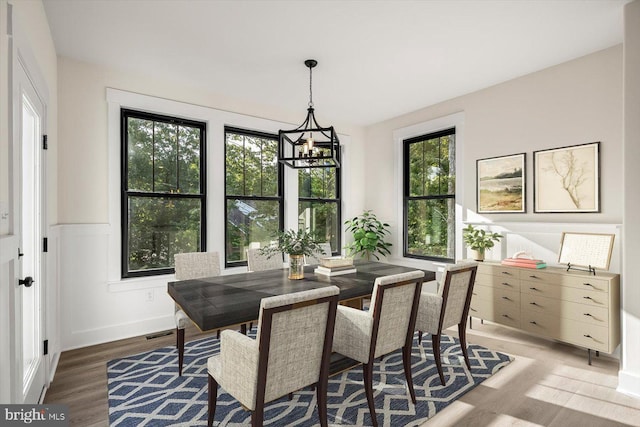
547 384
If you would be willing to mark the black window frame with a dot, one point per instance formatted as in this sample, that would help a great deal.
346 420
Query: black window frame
407 198
227 197
125 114
337 201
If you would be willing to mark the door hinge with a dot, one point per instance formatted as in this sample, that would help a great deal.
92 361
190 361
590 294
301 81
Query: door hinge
46 347
45 244
45 146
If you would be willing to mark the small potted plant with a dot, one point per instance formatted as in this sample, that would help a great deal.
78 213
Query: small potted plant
479 240
296 244
368 236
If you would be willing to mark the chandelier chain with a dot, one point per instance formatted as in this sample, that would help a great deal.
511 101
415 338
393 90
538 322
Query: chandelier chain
310 87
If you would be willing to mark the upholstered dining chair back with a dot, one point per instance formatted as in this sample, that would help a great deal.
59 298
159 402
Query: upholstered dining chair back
256 261
456 291
196 265
315 258
291 351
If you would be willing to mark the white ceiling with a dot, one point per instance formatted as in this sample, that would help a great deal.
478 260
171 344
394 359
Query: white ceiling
377 59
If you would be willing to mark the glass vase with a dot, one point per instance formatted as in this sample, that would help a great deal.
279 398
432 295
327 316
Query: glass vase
296 267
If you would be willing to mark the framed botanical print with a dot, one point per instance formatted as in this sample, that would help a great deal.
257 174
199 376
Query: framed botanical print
567 179
501 184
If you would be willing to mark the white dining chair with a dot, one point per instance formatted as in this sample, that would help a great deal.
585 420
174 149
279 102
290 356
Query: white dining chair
315 258
256 261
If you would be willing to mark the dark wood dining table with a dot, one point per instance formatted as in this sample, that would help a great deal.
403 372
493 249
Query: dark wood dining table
234 299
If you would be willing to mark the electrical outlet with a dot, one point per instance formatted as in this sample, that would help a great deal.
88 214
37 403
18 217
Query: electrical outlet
149 295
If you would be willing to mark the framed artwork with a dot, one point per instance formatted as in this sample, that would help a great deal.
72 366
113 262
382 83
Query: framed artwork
586 250
501 184
567 179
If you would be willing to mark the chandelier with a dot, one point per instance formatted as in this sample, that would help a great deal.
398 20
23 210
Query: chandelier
309 145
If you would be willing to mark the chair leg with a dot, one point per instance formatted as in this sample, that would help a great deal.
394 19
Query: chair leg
419 337
367 369
321 392
243 329
462 334
213 398
406 361
218 334
180 345
435 341
257 415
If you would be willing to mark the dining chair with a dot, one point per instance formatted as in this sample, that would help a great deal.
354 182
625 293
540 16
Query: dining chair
256 261
291 351
386 327
194 265
450 306
315 258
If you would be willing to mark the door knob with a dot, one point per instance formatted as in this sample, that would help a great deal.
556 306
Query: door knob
27 281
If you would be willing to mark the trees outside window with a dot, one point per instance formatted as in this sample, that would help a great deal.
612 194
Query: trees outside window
319 204
429 196
254 207
163 191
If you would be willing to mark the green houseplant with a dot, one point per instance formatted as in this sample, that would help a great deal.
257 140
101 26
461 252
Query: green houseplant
368 236
296 244
479 240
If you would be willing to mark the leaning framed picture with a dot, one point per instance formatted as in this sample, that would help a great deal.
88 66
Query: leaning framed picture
501 184
567 179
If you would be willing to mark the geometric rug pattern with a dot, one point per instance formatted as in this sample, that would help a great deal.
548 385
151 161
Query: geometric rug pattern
145 389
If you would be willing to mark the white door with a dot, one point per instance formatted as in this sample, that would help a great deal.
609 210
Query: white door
29 115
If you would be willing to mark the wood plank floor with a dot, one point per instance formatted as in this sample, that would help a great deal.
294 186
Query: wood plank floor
548 384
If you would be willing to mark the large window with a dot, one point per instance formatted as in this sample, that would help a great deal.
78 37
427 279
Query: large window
319 204
253 192
163 191
429 196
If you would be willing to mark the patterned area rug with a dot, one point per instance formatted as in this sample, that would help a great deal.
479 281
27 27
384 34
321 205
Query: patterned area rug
145 389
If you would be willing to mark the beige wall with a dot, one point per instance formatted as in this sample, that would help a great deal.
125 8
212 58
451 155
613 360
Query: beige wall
83 128
573 103
630 369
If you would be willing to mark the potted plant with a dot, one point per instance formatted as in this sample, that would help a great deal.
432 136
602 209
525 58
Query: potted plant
368 236
296 244
479 240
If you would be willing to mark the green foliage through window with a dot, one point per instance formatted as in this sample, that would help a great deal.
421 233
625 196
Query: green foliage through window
163 196
429 190
319 204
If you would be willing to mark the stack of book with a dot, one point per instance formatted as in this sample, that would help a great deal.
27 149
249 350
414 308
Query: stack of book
524 262
335 271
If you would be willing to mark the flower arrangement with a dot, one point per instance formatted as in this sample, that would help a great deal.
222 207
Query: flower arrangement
293 242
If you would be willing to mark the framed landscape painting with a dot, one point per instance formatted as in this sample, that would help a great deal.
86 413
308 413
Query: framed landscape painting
500 184
567 179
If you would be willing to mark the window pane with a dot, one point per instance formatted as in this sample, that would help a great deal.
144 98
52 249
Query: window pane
140 154
189 159
250 222
166 155
317 182
431 227
160 228
322 219
431 163
251 165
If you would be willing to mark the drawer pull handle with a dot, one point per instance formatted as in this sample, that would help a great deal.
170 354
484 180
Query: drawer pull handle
588 284
506 284
533 303
587 336
472 309
506 272
588 298
507 298
533 322
534 289
533 276
506 315
588 314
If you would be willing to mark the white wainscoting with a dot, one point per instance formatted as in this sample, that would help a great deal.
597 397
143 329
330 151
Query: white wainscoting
95 311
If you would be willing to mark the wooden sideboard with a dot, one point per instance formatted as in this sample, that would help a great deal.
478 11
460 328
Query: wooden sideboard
569 306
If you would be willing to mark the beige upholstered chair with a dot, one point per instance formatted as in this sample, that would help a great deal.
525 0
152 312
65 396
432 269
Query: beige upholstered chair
258 262
291 351
188 266
450 306
315 258
386 327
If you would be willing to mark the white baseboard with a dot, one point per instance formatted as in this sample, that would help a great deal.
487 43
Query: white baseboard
79 339
629 383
